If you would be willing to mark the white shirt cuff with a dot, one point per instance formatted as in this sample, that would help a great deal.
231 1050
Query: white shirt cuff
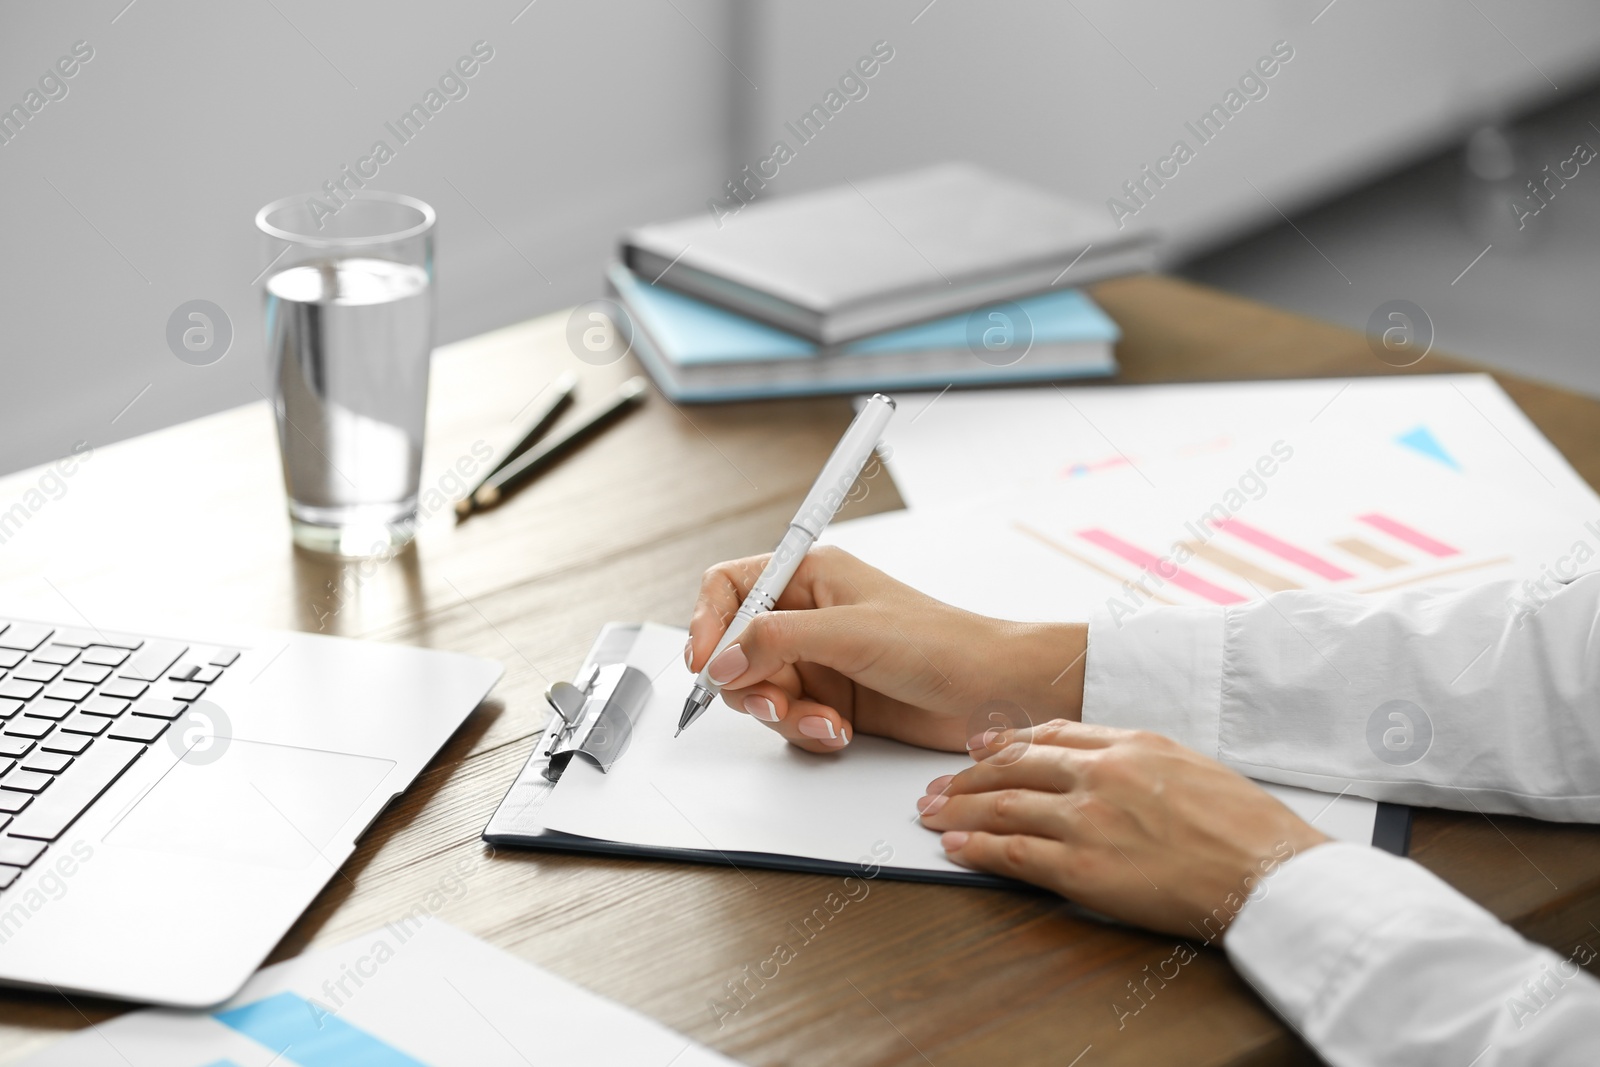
1158 670
1317 930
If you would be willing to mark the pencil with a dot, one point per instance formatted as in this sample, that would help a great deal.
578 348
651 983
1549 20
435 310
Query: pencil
553 401
557 395
531 463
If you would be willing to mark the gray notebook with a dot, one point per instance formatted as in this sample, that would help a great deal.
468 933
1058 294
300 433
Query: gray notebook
857 259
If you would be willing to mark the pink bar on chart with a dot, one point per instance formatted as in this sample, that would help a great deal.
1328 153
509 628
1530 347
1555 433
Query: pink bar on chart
1283 550
1402 532
1163 569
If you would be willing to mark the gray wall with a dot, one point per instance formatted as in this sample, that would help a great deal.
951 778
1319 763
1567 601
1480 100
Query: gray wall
135 192
1079 96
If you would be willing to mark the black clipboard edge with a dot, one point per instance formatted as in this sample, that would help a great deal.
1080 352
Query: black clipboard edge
1391 832
555 841
1391 828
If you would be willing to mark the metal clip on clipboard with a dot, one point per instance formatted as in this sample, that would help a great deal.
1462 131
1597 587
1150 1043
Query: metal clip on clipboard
594 717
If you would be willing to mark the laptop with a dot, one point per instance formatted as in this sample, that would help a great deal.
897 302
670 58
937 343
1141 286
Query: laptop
169 805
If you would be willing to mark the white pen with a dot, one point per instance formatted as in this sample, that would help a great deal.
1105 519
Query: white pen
827 494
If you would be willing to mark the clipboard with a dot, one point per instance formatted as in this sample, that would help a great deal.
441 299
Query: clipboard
598 729
594 718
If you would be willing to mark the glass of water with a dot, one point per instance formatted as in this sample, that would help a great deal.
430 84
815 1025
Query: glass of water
349 324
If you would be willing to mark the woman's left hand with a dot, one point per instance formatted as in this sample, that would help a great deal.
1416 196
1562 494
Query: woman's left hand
1130 824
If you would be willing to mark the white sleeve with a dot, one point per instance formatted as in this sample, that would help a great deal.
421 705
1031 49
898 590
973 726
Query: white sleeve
1375 961
1477 699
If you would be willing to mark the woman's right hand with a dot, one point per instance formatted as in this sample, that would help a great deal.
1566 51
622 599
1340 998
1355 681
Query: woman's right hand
848 648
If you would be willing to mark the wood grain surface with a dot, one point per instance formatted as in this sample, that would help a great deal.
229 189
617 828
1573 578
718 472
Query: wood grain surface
190 521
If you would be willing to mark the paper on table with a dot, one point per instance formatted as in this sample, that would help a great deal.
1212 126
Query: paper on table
956 446
731 785
1366 520
411 994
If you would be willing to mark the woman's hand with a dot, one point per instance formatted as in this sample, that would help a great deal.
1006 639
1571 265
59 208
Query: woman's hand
848 648
1128 823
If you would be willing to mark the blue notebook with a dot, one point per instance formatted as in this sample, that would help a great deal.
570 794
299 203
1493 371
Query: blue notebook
699 352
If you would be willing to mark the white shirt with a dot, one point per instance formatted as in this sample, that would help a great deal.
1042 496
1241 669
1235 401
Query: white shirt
1483 699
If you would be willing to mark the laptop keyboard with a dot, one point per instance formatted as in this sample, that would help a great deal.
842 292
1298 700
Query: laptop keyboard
77 707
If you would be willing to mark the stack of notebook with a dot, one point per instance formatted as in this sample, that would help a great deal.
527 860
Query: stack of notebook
945 276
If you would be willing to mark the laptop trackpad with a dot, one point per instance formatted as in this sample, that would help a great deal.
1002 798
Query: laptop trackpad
256 803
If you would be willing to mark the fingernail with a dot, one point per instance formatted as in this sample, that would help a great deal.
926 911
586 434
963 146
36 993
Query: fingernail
838 742
688 654
761 708
987 739
816 726
728 666
953 839
929 805
940 784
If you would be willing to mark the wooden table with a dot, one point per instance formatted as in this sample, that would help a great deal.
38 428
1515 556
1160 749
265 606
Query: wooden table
191 518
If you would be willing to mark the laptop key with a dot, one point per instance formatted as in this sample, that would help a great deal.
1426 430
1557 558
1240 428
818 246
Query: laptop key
28 726
19 852
125 688
110 707
160 707
73 691
225 658
15 689
127 642
8 875
14 746
71 744
88 638
9 708
108 657
24 635
34 671
12 801
61 655
87 672
46 762
27 782
10 657
151 661
46 708
6 765
79 723
184 691
207 675
76 788
183 672
136 728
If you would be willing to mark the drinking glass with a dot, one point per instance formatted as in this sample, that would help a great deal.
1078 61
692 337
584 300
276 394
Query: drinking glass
349 322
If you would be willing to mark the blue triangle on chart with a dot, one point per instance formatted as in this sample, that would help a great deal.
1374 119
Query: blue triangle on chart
1422 440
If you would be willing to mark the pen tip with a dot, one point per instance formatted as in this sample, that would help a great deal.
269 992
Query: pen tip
677 732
